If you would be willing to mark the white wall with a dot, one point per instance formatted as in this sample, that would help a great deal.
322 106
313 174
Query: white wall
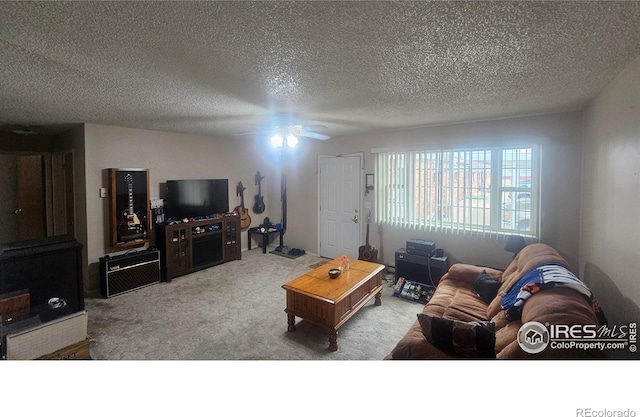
610 218
168 156
560 135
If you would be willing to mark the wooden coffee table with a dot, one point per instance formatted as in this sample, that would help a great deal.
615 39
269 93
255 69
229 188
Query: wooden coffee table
331 302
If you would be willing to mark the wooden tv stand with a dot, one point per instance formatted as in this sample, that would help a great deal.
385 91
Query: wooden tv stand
192 246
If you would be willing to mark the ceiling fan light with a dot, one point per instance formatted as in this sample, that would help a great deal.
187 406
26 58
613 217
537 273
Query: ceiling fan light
292 141
277 140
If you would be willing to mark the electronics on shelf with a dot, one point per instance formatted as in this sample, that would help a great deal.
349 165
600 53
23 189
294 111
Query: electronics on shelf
423 269
421 247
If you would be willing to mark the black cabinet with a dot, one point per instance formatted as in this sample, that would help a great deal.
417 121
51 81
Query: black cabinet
424 269
128 272
47 268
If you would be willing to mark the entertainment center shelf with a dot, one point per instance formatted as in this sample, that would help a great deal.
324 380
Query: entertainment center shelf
195 245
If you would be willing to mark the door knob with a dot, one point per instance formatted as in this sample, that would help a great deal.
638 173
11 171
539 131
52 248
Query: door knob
18 211
355 217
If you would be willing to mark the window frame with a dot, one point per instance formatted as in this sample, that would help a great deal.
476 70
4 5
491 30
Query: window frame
396 201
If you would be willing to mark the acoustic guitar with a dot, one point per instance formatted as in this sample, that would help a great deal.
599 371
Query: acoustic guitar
258 205
131 228
367 252
245 219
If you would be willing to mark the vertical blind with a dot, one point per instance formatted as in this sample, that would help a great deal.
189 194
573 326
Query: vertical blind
451 190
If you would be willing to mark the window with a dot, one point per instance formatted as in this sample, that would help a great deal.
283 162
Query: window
487 191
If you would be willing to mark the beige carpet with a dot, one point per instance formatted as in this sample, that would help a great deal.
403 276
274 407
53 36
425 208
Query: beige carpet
317 264
236 311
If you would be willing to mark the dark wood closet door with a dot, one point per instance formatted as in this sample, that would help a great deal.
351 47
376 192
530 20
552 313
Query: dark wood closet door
30 210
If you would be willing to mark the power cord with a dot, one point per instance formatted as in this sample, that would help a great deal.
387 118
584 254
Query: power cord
429 269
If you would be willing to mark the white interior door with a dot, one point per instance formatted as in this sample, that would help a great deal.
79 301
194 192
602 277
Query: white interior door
340 201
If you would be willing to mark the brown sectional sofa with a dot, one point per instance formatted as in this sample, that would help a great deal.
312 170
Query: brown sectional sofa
456 299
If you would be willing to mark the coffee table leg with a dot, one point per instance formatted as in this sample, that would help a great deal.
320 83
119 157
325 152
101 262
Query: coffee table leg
333 340
378 300
291 323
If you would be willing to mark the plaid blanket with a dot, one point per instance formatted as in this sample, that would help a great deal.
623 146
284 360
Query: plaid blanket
542 278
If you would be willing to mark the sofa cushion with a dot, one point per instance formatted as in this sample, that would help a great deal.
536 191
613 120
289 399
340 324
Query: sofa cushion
468 339
456 300
469 273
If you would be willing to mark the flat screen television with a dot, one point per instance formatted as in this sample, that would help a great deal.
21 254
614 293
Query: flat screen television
196 198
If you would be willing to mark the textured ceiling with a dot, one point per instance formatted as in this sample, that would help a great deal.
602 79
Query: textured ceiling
221 68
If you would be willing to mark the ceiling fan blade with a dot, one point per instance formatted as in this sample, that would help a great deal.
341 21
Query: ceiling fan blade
314 135
24 130
247 133
295 129
315 127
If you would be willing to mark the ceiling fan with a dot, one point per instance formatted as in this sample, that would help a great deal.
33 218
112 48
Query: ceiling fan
309 131
23 130
285 125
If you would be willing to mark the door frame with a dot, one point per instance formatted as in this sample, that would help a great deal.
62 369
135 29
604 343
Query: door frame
360 155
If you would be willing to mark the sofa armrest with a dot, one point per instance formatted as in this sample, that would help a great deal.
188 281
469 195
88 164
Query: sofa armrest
468 273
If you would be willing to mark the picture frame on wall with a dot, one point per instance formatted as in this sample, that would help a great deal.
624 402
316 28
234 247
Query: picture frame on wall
129 207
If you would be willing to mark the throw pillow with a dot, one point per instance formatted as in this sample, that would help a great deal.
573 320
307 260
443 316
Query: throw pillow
468 339
486 287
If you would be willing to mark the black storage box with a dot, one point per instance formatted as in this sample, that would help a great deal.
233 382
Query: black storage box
128 272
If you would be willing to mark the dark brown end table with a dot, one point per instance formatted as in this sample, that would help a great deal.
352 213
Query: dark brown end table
265 236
